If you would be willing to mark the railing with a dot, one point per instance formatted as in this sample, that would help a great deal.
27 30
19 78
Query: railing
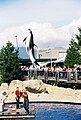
61 75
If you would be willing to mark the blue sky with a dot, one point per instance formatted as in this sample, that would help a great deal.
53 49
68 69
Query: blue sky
54 15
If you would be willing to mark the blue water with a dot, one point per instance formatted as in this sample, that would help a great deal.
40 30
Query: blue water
52 111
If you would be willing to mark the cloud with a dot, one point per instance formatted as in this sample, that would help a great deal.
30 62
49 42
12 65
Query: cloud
44 34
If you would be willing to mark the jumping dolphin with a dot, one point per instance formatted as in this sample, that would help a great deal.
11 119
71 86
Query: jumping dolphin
29 43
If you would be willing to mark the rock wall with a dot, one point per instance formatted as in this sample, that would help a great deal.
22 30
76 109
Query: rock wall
33 86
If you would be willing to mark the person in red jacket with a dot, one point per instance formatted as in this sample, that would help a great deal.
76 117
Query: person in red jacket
17 93
26 100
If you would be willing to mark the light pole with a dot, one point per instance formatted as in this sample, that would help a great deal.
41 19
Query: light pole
51 62
40 56
17 45
16 41
51 57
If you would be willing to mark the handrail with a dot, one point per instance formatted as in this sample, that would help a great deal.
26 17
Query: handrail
57 75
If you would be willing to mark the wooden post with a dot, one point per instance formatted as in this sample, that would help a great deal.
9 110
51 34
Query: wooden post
76 75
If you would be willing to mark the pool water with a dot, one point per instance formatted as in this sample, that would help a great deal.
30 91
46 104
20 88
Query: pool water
53 111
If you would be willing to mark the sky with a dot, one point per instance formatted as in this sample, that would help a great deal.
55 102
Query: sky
53 22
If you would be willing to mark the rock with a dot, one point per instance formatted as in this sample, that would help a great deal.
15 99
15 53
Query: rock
37 90
4 86
12 87
34 86
4 89
14 84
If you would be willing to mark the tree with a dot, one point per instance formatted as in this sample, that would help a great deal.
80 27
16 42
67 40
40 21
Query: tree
74 51
73 54
9 64
78 37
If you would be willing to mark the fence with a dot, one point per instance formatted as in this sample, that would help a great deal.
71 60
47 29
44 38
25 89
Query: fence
67 79
61 75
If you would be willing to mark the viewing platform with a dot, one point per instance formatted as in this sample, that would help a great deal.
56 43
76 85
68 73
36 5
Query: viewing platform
10 112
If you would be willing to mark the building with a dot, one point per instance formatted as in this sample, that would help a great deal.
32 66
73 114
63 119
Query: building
52 53
43 55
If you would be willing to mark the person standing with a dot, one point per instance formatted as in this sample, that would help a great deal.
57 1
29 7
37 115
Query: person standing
26 100
17 93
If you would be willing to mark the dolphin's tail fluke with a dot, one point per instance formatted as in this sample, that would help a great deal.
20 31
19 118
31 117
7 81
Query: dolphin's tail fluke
36 65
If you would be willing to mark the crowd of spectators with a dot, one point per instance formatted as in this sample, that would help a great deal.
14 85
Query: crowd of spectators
63 72
56 71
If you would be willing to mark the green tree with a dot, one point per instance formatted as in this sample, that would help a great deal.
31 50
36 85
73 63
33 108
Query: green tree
78 37
9 64
74 51
73 54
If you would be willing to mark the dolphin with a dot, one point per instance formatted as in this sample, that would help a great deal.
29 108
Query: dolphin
29 44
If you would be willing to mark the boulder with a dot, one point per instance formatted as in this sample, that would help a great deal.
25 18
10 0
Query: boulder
34 86
4 89
14 84
4 86
12 88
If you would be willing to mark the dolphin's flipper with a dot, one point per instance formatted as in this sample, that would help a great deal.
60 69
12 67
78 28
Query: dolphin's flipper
24 39
35 45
